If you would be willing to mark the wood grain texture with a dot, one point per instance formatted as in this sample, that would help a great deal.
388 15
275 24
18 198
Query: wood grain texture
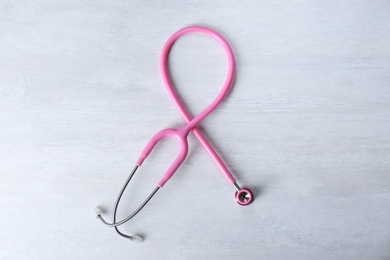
307 126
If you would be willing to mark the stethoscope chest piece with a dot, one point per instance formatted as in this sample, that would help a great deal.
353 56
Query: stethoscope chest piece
244 197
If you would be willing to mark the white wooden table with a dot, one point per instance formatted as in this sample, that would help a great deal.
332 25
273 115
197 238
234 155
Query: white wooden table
306 126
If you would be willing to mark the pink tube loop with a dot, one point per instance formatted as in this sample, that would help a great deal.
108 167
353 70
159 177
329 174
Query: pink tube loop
182 133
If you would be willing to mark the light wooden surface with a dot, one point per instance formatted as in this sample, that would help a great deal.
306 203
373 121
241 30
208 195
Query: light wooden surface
306 126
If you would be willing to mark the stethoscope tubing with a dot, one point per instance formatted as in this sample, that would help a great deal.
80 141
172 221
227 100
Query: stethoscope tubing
192 122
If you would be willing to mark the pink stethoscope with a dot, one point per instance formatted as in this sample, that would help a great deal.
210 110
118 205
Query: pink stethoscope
243 195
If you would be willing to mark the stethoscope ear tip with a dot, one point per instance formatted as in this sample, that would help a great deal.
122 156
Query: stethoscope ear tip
136 239
98 211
